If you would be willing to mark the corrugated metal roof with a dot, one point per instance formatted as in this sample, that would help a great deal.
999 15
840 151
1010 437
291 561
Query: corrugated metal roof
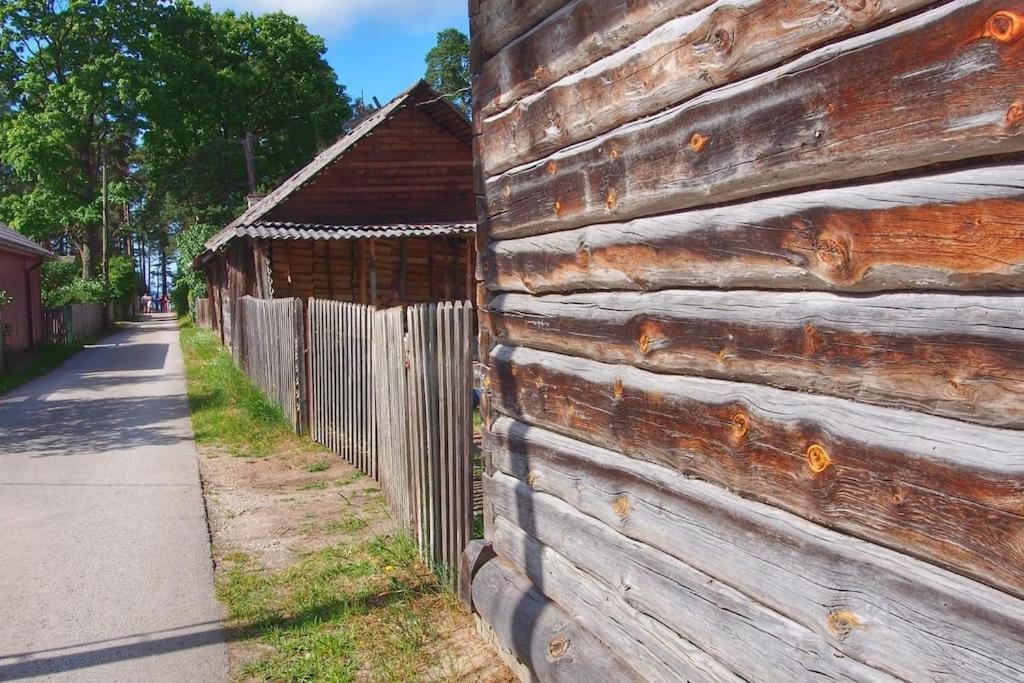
317 231
436 106
12 240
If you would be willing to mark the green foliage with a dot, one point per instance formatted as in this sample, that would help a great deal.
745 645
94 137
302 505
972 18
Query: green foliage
71 81
448 70
63 284
224 75
189 284
228 411
5 299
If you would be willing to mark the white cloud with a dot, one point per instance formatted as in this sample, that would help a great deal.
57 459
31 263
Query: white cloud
336 16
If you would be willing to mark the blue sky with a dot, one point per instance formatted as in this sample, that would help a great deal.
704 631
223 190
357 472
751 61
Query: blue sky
376 46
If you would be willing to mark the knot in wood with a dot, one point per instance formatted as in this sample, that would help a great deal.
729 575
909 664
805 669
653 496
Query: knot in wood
818 459
611 198
1005 27
721 40
740 425
832 253
552 167
644 343
1015 114
842 623
613 153
621 506
558 647
859 8
698 142
618 389
558 208
532 478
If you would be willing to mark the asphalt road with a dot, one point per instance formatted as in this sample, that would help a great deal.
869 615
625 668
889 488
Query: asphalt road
105 569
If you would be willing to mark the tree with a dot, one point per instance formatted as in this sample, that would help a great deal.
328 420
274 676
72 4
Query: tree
223 76
190 284
448 70
70 86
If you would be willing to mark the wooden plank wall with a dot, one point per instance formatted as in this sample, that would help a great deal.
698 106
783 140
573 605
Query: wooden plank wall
391 391
270 347
203 313
379 272
753 319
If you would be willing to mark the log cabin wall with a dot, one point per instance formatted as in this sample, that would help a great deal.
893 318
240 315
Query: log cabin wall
381 272
753 315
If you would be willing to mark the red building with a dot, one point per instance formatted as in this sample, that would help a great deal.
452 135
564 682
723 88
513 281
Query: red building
20 259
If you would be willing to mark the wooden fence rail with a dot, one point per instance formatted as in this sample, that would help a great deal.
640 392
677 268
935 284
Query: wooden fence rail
270 347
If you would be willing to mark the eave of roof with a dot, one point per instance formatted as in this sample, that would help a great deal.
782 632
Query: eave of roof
12 240
439 108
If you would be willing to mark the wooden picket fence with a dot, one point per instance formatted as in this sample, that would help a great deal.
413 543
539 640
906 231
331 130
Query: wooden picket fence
342 412
270 347
202 311
388 390
56 324
391 391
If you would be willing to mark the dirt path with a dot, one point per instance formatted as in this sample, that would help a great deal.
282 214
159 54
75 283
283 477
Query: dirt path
304 533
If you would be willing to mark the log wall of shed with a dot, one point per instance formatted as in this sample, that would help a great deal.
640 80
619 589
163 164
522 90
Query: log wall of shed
753 316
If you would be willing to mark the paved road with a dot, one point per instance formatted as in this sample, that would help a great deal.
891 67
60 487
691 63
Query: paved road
105 570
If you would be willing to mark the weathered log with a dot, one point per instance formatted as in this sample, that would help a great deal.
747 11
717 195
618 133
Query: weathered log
957 231
945 354
914 618
753 641
729 40
539 633
937 87
656 652
946 491
496 23
478 552
595 29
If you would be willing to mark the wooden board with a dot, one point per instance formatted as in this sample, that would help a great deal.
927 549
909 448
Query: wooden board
946 491
496 23
914 618
726 41
754 642
595 29
959 231
865 106
539 633
945 354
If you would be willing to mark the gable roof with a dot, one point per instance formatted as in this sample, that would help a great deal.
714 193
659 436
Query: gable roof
12 240
421 94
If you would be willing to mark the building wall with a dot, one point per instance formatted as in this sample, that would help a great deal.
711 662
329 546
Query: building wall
382 272
753 278
25 315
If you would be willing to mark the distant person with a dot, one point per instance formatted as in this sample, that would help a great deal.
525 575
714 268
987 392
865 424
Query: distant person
163 303
147 303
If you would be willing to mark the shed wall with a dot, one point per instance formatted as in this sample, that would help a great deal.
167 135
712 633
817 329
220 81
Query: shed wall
24 315
753 309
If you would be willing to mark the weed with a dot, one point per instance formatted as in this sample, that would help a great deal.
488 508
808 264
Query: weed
318 466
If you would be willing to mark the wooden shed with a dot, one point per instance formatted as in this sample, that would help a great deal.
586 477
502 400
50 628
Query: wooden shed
20 259
754 326
385 216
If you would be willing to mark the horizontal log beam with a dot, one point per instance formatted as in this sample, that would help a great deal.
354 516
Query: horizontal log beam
945 491
938 87
595 29
727 41
496 23
960 231
915 618
539 633
945 354
753 641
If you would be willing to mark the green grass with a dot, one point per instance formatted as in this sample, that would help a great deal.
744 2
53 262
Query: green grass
318 466
348 612
35 363
228 411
